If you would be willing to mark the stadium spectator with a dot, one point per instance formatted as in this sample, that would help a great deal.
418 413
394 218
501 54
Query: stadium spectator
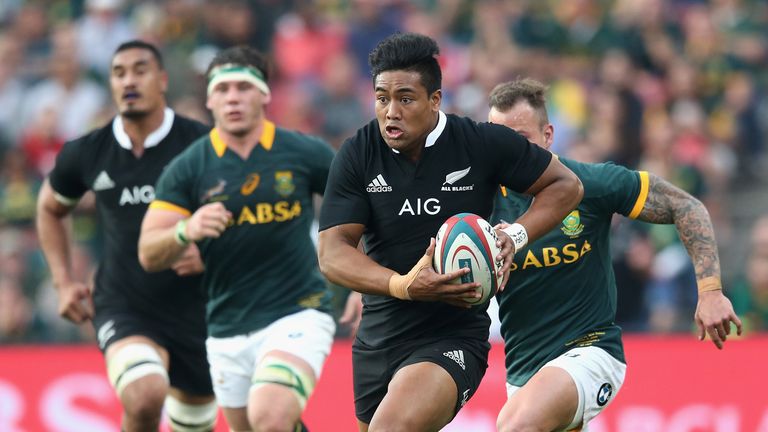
75 99
104 22
151 328
244 195
750 295
564 354
421 351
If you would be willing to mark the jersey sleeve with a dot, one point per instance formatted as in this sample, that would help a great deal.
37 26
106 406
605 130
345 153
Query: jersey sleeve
67 177
619 190
174 189
517 162
320 162
345 199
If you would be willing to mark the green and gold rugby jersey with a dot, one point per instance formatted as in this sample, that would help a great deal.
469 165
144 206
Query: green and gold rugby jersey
264 265
561 292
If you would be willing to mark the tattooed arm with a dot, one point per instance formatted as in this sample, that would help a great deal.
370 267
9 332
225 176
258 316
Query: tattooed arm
668 204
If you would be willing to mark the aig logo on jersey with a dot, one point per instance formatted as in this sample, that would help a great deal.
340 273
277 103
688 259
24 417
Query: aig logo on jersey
378 185
137 195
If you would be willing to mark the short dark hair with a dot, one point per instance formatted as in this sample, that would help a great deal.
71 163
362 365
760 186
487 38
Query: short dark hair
409 52
241 55
506 95
140 44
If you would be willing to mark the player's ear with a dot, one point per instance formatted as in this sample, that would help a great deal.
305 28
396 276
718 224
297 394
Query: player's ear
435 98
549 135
163 81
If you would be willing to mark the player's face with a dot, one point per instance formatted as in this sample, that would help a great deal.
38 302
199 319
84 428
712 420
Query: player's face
406 113
525 120
237 106
138 84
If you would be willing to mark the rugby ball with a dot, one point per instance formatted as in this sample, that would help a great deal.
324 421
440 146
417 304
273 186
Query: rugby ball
467 240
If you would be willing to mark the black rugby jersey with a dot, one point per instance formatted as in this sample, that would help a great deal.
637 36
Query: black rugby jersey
403 204
102 161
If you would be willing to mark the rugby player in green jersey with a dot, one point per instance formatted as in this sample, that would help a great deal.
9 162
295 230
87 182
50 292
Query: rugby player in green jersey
244 195
564 355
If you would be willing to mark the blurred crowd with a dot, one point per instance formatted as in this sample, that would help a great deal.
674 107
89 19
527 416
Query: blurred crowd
676 87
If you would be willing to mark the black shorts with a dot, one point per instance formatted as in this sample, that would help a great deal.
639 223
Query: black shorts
464 359
188 363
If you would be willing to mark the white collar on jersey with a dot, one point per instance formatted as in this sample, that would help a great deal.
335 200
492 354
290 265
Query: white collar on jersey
152 140
436 132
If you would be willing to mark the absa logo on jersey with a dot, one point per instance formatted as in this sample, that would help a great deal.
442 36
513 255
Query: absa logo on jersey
430 206
137 195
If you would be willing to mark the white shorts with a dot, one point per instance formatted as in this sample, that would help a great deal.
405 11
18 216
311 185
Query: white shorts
307 334
598 377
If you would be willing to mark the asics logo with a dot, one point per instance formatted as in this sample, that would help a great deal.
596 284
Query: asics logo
378 184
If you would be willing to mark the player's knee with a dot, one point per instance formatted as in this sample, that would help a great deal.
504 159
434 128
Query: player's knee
394 424
278 416
184 417
137 365
143 398
271 420
285 410
516 423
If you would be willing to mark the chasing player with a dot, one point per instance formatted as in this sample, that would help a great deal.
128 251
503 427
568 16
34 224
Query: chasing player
564 356
243 194
151 327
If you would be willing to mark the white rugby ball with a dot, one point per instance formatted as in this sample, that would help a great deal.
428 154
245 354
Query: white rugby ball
467 240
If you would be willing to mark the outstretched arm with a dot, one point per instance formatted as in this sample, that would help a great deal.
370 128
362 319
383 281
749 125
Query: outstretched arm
667 204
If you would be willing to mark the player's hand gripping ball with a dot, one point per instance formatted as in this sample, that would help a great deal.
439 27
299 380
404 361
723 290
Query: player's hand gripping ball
467 240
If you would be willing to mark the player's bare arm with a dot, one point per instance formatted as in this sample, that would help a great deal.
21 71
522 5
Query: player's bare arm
75 302
667 204
342 263
165 234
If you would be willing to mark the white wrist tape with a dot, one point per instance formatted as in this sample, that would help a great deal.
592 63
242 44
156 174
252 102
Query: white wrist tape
518 234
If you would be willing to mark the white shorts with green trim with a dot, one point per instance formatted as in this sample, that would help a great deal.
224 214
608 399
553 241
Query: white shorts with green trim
598 377
307 334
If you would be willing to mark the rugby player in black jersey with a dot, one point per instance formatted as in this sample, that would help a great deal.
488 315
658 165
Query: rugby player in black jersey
151 327
421 351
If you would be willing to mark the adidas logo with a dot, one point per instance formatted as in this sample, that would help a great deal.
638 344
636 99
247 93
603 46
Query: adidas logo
105 333
457 356
102 182
378 185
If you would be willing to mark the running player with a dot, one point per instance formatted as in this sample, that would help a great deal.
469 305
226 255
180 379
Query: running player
420 351
151 328
244 195
564 355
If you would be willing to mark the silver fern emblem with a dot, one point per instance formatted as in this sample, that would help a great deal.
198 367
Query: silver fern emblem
456 176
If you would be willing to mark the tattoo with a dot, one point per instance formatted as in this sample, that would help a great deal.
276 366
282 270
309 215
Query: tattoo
668 204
